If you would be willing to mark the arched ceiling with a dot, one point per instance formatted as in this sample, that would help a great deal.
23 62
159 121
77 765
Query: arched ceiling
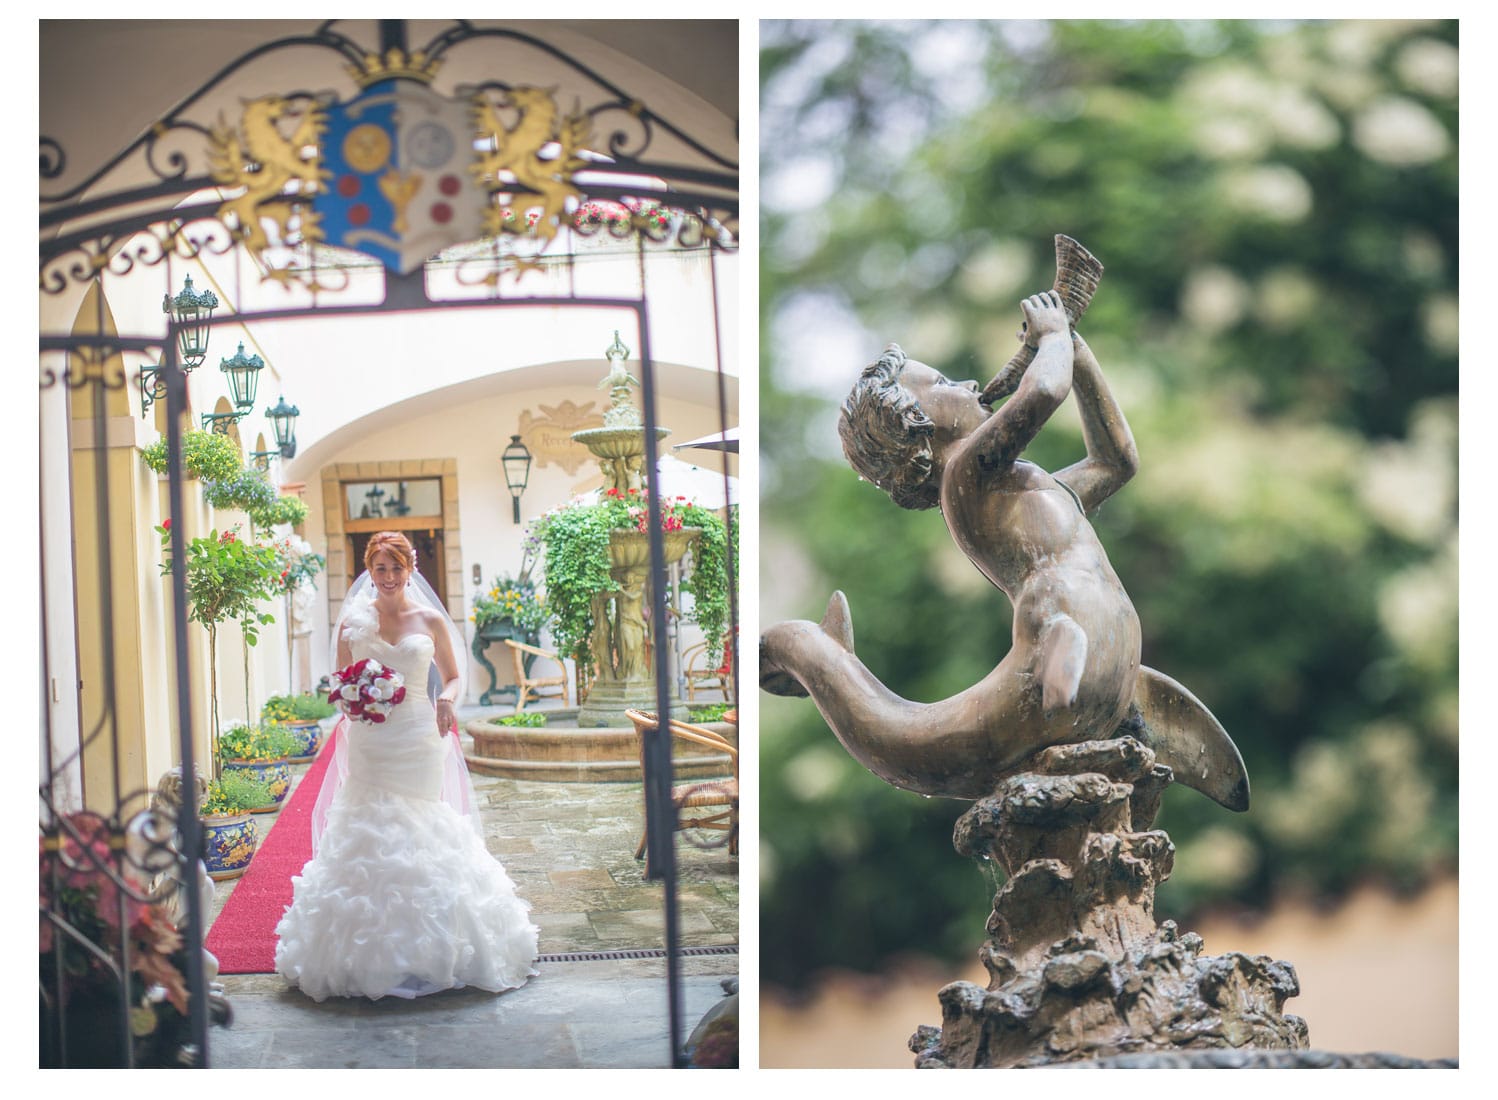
681 382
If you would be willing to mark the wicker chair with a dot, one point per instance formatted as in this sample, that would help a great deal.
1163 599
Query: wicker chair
699 677
716 801
526 685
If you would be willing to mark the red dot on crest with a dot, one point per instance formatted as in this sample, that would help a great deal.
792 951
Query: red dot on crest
442 213
449 184
348 186
358 214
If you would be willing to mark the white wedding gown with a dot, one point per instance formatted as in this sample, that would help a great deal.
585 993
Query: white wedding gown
402 898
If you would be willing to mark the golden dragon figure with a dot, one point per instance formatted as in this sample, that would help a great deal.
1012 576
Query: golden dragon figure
516 160
259 158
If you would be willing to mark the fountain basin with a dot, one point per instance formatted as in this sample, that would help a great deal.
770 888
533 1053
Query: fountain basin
599 754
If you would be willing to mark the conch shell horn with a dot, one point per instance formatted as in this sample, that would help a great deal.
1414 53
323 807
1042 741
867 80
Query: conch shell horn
1077 275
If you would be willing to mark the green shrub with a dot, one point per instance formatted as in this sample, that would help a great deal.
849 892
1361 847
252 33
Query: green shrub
204 455
530 720
234 793
306 707
283 509
246 489
712 712
269 742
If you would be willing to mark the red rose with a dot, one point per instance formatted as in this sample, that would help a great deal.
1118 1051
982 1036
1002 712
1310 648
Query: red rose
167 523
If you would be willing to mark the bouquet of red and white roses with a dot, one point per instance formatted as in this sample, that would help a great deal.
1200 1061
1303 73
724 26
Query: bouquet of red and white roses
366 690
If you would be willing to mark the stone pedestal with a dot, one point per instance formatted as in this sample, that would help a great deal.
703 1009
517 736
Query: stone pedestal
1077 967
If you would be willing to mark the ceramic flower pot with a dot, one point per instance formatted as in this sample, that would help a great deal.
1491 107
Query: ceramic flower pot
309 732
229 842
275 774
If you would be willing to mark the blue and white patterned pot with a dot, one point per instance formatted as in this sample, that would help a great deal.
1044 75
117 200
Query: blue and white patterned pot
275 774
309 732
229 842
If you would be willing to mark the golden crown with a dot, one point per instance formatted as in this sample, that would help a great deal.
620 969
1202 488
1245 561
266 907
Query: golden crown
395 63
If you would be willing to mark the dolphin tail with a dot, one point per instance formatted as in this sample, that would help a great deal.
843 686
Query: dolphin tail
1186 737
837 624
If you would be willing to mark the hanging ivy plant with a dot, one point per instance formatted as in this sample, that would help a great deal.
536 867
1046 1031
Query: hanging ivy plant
289 510
205 455
247 490
577 568
707 580
576 538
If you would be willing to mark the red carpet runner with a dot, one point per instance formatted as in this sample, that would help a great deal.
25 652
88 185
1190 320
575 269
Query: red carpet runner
243 939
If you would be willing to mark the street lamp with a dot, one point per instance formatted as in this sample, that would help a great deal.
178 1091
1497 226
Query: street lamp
283 419
517 463
243 372
192 312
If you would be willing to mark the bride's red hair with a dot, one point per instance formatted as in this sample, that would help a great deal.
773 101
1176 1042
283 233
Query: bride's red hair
396 545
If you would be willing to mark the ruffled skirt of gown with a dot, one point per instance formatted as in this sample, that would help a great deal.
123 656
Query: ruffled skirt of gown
402 899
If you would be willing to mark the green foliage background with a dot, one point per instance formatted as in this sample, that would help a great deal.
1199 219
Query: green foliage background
1276 206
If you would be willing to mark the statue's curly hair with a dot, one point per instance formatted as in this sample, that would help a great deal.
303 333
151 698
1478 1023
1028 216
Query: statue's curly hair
887 435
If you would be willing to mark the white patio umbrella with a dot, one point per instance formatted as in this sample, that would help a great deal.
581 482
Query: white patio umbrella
675 478
727 440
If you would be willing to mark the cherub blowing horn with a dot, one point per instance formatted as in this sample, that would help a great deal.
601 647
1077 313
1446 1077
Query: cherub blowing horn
1072 672
1077 275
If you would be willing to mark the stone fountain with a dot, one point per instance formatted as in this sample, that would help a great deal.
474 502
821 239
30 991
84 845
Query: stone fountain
621 641
603 746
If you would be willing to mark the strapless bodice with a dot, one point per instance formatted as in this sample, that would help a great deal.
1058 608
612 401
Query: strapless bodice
411 657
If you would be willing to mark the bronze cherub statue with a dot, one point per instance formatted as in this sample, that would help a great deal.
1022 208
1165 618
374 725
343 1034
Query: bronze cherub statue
1073 672
1066 747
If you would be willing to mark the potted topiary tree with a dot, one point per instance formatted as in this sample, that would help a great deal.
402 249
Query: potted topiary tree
226 578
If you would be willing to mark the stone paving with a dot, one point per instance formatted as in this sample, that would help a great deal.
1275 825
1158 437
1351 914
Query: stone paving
570 849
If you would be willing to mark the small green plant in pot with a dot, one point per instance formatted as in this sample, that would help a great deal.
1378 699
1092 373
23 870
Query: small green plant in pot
229 833
262 752
301 716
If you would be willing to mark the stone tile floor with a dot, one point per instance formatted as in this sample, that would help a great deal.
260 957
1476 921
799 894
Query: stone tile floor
570 849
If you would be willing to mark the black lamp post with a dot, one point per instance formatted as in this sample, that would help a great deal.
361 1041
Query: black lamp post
517 463
283 419
243 372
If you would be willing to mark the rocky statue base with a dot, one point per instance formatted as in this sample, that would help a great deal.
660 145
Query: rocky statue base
1078 968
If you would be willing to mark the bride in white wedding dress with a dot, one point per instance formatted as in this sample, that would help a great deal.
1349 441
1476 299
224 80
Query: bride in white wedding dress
401 898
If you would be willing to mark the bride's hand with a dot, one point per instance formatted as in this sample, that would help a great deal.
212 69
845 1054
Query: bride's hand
447 717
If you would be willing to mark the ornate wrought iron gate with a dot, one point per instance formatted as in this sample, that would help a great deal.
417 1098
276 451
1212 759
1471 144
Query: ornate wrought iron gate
301 179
